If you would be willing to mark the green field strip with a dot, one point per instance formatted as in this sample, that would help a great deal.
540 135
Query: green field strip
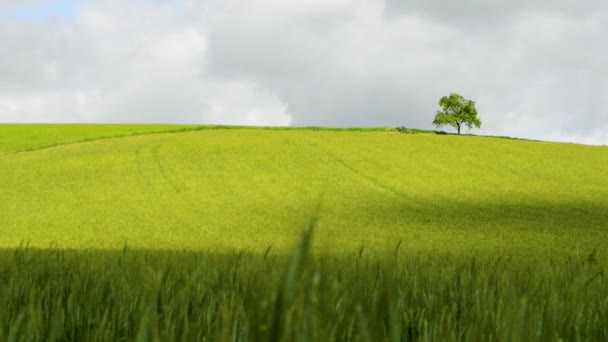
16 138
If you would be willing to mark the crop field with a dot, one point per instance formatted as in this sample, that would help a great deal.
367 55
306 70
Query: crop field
118 232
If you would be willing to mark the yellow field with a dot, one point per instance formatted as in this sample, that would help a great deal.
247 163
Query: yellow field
227 189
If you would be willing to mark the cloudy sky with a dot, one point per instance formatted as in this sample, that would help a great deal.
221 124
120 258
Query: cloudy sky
536 68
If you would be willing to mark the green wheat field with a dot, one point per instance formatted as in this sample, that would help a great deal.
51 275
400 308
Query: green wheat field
234 233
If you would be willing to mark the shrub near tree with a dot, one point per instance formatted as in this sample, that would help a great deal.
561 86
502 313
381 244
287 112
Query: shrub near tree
457 112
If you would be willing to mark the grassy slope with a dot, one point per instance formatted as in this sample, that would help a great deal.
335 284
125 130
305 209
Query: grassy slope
251 188
26 137
29 137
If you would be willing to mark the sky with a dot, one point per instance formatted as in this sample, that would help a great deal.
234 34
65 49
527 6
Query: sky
535 68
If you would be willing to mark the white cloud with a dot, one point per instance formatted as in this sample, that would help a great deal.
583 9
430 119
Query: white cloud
118 62
536 68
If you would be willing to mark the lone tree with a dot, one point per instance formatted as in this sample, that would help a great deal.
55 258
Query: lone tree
457 111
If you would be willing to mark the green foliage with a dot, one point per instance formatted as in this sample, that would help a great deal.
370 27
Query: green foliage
457 112
407 130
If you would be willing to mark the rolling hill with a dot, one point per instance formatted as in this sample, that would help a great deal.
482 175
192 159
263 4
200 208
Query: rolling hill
195 188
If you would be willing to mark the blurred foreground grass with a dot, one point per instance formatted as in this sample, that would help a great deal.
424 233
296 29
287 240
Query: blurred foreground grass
192 296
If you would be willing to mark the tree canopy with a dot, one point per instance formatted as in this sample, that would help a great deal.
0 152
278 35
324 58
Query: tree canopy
457 112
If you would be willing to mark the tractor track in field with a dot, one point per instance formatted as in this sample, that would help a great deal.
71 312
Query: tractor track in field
156 160
358 172
109 137
140 169
161 186
189 129
370 179
163 171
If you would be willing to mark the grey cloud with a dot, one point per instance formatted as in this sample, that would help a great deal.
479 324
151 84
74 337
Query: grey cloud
476 14
329 74
535 73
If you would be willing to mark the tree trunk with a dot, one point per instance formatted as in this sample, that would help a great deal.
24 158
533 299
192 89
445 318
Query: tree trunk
458 129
